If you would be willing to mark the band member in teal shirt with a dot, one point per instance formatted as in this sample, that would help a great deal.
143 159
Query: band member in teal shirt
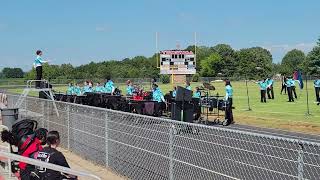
289 89
77 90
87 87
157 94
160 101
71 89
130 88
174 92
263 88
293 88
197 94
270 88
109 86
98 88
228 98
188 86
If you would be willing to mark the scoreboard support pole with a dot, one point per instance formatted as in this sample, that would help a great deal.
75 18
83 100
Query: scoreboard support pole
172 78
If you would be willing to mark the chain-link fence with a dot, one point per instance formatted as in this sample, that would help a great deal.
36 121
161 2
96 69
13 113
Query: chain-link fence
143 147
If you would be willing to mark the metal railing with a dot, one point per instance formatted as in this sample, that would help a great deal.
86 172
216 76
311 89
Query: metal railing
46 165
6 147
143 147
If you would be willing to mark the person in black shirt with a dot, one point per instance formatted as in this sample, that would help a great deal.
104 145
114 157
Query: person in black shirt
51 155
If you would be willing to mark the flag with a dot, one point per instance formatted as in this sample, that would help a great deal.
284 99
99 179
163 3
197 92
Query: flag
298 76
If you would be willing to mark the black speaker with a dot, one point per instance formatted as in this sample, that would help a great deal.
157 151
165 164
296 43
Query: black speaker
187 113
183 94
45 85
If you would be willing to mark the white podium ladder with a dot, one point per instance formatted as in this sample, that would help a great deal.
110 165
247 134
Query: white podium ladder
29 88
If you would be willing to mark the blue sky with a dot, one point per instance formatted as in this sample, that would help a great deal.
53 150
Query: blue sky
78 31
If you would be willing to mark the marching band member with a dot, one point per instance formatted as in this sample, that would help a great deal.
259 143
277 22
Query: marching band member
98 88
174 92
289 89
77 90
87 87
130 88
228 98
293 87
263 87
159 98
197 94
270 88
284 87
188 86
157 94
109 86
316 84
70 90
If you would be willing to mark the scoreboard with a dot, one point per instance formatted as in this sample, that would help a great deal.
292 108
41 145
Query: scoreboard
177 62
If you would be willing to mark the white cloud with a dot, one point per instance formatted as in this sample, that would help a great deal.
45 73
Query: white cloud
103 28
287 47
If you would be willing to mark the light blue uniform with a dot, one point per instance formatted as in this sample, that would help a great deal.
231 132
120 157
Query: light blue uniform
293 82
87 89
38 61
288 82
70 90
263 85
197 94
99 89
270 82
229 92
77 90
109 87
316 83
157 95
189 88
174 93
130 90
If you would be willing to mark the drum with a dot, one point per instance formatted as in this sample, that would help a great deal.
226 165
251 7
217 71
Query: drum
223 104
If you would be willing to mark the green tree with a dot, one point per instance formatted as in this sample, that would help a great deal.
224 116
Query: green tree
12 72
202 53
211 66
254 62
292 61
227 55
196 77
165 79
312 62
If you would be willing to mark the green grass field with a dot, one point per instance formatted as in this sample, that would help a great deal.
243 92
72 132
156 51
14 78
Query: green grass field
277 113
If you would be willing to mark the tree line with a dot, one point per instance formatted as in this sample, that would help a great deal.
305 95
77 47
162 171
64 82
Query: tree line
219 60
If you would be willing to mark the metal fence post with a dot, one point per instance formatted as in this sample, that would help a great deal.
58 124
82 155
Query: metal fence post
107 139
48 116
43 113
171 135
25 105
300 162
68 126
